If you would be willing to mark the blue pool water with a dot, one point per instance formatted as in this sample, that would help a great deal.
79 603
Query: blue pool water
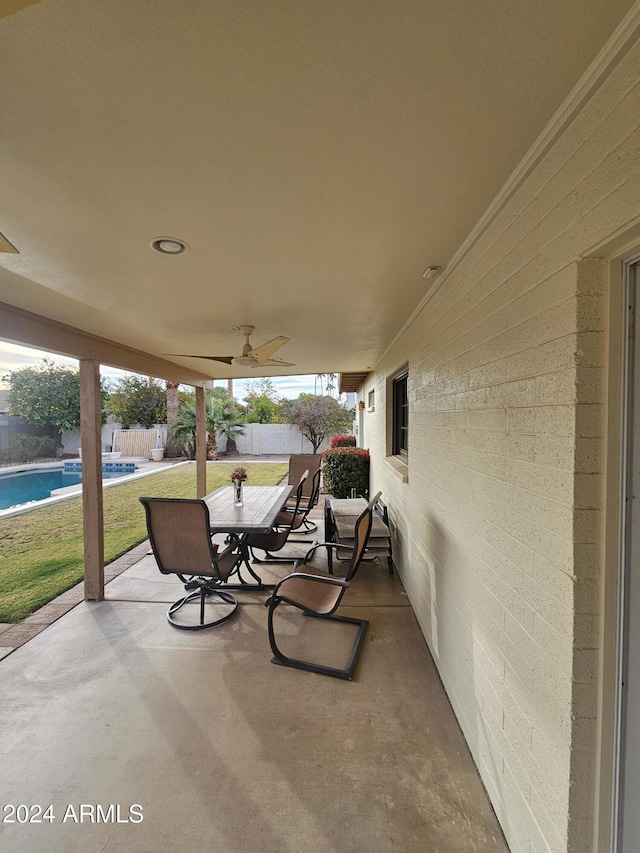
35 485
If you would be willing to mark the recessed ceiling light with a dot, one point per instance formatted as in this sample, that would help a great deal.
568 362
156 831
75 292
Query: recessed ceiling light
168 246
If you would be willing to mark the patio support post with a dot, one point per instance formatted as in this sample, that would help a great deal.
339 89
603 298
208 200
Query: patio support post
201 444
92 517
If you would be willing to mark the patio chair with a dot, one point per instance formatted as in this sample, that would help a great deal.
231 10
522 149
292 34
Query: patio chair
318 593
181 543
297 463
286 521
306 504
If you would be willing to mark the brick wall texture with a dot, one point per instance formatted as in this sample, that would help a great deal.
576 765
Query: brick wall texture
497 525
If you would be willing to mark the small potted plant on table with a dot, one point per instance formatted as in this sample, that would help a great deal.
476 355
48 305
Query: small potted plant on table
238 476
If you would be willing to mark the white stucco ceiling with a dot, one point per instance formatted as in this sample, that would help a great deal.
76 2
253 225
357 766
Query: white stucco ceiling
316 157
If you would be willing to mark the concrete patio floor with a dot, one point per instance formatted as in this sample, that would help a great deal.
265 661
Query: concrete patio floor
225 752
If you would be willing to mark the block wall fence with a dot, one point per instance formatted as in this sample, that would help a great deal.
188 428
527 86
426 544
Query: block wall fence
258 440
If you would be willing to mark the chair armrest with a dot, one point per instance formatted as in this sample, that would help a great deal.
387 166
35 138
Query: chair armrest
232 547
334 545
314 578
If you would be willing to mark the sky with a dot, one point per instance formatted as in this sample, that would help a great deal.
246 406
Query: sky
14 357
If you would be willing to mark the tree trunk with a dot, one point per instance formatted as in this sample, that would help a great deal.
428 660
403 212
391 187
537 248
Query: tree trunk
232 449
172 413
212 446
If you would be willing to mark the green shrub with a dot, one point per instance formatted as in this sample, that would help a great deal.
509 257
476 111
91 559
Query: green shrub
344 469
30 446
342 441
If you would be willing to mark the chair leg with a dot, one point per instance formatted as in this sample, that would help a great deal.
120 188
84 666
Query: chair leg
247 555
282 660
309 527
202 592
278 558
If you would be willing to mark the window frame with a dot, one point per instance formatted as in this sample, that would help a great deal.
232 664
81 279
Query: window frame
400 415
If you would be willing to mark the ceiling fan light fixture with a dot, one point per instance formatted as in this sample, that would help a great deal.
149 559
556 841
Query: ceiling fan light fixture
251 356
168 246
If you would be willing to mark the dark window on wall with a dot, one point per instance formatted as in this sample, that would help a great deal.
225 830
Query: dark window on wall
400 444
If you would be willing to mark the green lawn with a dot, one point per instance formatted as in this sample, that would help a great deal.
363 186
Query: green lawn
41 552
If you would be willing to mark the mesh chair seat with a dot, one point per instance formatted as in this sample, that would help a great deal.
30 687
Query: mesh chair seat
300 462
302 589
345 523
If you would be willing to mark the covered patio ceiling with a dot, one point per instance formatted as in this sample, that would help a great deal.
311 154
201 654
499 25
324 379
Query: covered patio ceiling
315 157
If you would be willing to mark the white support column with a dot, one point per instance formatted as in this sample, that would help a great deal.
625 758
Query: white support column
201 445
91 438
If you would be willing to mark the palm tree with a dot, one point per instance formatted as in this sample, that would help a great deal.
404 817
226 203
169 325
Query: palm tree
232 450
173 405
220 419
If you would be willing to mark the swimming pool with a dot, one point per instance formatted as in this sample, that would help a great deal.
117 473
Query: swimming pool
27 486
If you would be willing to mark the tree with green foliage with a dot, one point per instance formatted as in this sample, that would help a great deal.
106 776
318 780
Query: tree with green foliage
138 400
263 403
46 396
218 393
30 446
316 417
221 419
261 410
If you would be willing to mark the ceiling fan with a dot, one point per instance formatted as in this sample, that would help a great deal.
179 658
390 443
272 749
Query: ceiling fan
251 356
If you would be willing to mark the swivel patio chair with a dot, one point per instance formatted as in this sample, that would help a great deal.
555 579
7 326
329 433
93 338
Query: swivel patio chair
318 593
286 521
181 543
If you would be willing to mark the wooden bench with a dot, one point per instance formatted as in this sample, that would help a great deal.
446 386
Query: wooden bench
340 517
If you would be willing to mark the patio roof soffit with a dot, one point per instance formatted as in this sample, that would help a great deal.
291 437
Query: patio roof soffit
28 329
351 382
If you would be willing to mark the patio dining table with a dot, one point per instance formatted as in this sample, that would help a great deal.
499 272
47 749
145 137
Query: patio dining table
256 514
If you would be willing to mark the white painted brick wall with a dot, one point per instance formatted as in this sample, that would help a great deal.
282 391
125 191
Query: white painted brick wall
497 528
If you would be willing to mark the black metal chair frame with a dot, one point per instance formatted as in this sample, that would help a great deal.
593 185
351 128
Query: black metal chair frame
196 585
278 598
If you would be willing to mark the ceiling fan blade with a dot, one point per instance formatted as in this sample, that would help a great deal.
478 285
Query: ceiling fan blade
265 351
227 359
274 362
